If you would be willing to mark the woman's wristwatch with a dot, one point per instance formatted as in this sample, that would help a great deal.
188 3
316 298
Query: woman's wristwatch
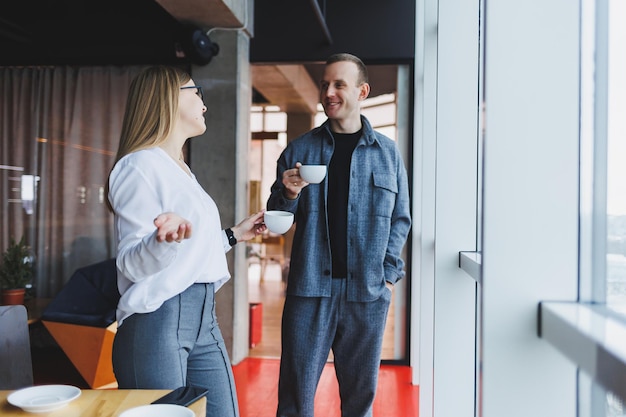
232 240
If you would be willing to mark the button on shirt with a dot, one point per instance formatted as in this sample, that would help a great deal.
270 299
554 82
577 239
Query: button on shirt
143 185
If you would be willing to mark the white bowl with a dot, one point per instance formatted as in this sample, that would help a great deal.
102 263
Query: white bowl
158 410
278 221
43 398
313 174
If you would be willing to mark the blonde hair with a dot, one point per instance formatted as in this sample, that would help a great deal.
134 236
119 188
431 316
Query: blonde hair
151 109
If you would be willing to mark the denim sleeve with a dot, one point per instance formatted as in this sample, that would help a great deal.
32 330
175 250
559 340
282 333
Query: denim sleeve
277 199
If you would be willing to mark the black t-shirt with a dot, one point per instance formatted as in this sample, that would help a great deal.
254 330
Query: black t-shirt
338 191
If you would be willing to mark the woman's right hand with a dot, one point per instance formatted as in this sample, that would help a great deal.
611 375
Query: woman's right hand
250 227
172 228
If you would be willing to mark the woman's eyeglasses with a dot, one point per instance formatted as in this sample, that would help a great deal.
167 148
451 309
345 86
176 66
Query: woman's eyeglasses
198 90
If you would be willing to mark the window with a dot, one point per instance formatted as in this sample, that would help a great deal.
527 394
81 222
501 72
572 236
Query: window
603 185
616 158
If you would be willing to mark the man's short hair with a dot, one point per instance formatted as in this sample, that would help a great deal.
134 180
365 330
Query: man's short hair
340 57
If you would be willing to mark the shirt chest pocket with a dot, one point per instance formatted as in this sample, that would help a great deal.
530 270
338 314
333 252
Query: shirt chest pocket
384 193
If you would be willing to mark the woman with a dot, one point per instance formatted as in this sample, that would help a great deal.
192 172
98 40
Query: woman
171 248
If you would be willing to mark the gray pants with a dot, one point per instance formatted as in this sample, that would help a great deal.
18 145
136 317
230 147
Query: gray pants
178 344
311 326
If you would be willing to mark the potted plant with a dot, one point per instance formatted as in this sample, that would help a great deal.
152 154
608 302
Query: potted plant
16 271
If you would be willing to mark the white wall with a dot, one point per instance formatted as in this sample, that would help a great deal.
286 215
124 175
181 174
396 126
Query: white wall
446 164
530 204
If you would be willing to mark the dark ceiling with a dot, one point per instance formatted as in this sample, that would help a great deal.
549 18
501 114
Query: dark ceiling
75 32
379 32
142 32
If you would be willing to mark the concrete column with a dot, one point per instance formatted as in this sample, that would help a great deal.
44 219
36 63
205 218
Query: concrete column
219 160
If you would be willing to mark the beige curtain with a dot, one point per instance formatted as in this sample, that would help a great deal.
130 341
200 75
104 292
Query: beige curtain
59 129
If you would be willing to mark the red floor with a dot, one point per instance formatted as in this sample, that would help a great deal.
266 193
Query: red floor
257 383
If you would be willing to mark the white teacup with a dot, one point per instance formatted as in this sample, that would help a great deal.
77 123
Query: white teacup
313 174
278 221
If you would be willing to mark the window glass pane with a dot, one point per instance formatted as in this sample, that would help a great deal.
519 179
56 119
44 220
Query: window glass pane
596 401
383 114
605 403
389 131
614 406
275 122
616 156
378 100
320 117
256 121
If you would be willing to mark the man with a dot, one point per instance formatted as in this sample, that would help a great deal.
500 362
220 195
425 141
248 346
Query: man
350 231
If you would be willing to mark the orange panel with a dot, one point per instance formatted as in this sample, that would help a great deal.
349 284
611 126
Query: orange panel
89 349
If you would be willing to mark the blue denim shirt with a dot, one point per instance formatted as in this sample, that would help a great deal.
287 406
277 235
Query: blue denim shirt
378 215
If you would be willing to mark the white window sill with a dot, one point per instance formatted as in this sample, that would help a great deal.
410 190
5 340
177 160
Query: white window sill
591 336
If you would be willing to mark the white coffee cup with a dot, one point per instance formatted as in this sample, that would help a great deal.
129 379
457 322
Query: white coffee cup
313 174
278 221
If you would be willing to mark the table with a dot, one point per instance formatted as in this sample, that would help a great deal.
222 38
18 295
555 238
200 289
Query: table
101 403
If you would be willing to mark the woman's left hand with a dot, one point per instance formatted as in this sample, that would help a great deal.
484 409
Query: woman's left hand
250 227
172 228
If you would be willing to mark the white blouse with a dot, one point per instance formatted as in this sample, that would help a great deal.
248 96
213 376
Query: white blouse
143 185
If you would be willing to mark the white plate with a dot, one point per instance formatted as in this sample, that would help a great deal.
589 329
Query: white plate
43 398
158 410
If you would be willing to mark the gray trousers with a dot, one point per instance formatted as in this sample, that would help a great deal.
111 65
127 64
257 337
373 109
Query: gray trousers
311 327
178 344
